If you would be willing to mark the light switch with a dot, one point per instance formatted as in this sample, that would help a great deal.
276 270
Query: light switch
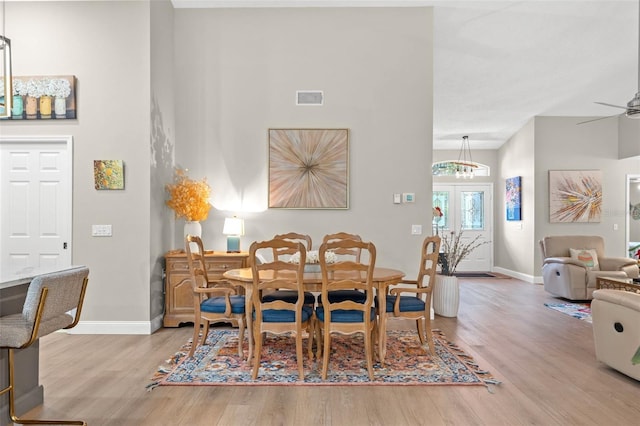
416 229
408 197
397 198
101 230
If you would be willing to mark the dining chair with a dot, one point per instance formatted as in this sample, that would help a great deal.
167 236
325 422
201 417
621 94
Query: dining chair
48 307
280 316
285 253
214 301
347 317
412 298
345 253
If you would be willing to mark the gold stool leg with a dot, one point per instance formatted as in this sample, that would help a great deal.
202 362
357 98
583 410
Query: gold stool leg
16 419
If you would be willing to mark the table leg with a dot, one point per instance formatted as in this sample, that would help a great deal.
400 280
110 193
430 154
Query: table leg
248 309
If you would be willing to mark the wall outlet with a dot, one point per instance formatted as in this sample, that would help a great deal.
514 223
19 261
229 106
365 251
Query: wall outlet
397 198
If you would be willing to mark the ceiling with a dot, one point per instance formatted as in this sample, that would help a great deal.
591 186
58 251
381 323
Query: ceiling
498 64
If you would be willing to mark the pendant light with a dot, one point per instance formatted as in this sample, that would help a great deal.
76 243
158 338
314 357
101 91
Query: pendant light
465 164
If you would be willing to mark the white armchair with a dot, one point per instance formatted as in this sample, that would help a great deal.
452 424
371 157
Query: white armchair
574 278
616 329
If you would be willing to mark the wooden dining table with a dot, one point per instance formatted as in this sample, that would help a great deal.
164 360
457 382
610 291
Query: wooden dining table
382 279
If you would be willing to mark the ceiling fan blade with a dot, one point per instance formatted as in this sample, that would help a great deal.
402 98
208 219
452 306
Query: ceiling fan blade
611 105
598 119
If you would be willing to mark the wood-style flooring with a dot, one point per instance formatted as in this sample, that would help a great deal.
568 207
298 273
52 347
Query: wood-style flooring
544 359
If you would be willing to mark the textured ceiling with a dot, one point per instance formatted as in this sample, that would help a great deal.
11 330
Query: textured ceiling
498 64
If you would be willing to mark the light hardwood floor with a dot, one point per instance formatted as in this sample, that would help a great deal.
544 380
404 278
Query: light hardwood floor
545 360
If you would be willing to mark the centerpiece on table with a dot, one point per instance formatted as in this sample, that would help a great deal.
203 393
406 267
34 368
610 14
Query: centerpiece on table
189 199
453 250
312 263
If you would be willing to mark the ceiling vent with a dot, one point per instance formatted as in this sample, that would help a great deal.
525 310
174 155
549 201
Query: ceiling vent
309 97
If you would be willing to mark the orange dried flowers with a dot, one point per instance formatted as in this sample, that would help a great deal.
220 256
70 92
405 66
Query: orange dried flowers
189 198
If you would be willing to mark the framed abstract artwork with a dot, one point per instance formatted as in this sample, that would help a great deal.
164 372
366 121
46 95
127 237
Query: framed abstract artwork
513 198
575 195
108 174
309 168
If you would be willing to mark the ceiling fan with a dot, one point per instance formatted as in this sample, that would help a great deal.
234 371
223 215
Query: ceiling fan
633 106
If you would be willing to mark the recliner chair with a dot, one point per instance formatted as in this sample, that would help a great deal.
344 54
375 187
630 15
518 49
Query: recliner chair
574 278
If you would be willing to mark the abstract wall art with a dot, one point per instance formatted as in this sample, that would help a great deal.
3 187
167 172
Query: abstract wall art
575 195
309 168
108 174
513 198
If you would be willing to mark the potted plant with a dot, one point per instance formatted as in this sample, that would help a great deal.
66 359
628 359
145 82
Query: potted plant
453 250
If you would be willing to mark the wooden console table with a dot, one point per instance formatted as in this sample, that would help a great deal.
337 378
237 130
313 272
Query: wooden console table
178 297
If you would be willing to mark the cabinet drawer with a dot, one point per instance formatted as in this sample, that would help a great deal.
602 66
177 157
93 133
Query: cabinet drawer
217 267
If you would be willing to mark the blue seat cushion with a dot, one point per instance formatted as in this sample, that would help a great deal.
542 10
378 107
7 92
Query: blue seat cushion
407 303
217 305
342 315
284 315
289 296
337 296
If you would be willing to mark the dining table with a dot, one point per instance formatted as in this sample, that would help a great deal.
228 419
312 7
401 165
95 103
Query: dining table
381 280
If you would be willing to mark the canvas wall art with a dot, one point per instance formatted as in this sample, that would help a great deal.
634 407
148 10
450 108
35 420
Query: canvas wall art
108 174
575 195
43 98
513 198
309 168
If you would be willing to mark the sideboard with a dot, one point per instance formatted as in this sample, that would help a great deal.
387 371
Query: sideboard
178 297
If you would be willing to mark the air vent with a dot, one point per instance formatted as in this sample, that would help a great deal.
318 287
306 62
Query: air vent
309 97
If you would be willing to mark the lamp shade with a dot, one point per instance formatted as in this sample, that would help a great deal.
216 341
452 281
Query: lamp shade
233 226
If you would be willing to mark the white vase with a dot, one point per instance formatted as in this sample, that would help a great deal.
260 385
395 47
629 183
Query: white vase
192 228
60 107
446 296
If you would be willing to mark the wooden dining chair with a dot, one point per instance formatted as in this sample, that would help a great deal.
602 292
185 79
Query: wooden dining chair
347 317
412 298
285 253
345 253
214 301
49 306
280 316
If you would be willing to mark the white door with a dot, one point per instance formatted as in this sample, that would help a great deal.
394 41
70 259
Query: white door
467 208
35 202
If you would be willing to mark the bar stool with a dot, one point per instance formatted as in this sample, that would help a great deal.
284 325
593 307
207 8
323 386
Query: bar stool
46 308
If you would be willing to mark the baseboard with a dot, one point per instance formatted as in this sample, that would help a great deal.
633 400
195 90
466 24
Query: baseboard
523 277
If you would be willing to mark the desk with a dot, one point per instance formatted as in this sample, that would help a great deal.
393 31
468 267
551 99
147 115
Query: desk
382 279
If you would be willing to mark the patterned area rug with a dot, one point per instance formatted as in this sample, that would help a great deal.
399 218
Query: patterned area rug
582 311
407 363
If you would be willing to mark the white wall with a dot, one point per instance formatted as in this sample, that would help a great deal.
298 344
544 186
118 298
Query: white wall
106 46
237 73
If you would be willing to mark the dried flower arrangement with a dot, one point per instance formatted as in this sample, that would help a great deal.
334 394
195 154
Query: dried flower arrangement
453 251
189 198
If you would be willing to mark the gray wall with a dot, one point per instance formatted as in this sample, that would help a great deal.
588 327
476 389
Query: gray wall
514 249
106 45
237 74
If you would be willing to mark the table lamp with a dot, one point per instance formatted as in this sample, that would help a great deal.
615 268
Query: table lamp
233 229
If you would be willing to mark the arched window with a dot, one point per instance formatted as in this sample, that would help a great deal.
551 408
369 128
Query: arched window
457 168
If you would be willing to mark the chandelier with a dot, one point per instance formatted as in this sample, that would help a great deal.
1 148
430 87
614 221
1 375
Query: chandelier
465 165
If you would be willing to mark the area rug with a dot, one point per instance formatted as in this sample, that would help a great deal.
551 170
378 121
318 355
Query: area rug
407 363
582 311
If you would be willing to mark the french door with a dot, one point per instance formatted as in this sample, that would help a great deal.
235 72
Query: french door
36 202
467 208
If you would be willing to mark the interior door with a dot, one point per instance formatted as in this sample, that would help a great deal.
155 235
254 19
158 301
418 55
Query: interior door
35 197
467 208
